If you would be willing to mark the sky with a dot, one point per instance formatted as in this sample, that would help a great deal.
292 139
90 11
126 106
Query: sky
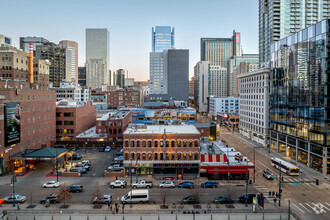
130 23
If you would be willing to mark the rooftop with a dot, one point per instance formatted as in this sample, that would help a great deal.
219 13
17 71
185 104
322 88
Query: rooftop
91 133
159 129
64 103
114 115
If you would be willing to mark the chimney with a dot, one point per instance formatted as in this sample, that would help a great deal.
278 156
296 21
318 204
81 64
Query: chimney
31 61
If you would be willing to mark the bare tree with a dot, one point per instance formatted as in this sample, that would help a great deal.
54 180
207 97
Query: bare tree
64 195
163 195
97 195
196 191
215 174
230 192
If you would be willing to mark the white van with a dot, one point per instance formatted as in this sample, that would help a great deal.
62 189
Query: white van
138 196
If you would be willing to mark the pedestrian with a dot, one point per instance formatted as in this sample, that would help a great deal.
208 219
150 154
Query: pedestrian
108 205
114 210
123 207
116 205
270 193
18 208
275 201
273 193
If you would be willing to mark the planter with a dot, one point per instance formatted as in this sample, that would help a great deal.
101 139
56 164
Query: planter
208 205
217 205
181 206
64 206
163 206
173 205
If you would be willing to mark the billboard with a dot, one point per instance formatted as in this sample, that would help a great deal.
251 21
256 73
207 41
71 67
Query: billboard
12 123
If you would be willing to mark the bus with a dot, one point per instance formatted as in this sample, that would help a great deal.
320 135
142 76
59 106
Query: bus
284 166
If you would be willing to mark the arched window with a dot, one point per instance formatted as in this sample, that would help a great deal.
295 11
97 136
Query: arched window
156 143
196 156
172 143
144 156
196 143
179 156
137 143
126 143
149 156
185 143
149 143
126 156
184 156
138 156
167 144
190 143
179 143
161 156
132 143
172 156
190 156
132 156
144 143
156 156
167 156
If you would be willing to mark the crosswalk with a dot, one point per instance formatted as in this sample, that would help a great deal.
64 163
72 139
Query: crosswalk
302 182
312 207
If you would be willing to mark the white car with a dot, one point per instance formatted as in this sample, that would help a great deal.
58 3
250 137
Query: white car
51 184
107 149
18 199
166 184
118 184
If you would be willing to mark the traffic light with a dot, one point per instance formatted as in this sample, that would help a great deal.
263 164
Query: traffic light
317 182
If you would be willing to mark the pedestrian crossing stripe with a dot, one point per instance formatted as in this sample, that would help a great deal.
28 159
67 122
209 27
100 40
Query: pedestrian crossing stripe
317 208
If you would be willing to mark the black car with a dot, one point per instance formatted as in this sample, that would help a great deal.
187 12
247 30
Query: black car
242 199
192 199
52 198
75 157
223 200
101 149
268 175
85 166
76 188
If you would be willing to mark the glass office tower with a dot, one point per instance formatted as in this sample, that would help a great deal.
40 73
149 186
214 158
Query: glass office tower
299 101
162 38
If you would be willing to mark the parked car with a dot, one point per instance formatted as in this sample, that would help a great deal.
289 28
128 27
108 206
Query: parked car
85 166
142 184
209 184
186 184
118 184
120 154
75 157
86 162
136 196
104 200
101 149
78 169
167 184
223 200
51 184
18 199
268 176
116 167
107 149
76 188
242 199
192 199
120 158
52 198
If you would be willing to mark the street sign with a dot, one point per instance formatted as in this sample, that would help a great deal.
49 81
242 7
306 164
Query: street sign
297 183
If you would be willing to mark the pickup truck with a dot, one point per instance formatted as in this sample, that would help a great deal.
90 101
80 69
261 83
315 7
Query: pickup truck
118 183
142 184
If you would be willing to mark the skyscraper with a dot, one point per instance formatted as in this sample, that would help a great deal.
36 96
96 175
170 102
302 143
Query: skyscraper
72 59
162 38
169 75
120 77
278 19
24 43
97 57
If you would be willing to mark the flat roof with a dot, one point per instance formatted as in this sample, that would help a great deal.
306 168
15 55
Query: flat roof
114 115
157 129
91 133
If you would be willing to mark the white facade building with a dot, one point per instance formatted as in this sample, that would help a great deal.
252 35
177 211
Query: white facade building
254 105
228 105
158 73
69 91
218 81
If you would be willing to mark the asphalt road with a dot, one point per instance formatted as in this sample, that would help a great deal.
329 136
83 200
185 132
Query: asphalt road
307 200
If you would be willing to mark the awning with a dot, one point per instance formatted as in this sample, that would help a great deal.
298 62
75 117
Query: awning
43 153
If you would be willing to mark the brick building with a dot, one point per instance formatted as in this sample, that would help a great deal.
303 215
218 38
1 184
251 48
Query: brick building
162 150
34 103
113 124
72 118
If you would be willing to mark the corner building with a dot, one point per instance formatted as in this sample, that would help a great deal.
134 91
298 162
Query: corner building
162 150
299 101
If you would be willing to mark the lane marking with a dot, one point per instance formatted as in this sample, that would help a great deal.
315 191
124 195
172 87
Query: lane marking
320 205
305 207
298 208
327 203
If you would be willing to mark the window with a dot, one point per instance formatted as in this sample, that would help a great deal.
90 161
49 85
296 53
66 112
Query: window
132 156
68 122
156 156
190 143
161 144
132 143
179 143
172 156
167 144
138 156
149 143
144 143
126 156
68 114
196 143
184 143
184 156
126 143
172 143
137 143
156 143
149 156
167 157
179 156
196 156
190 156
144 156
161 156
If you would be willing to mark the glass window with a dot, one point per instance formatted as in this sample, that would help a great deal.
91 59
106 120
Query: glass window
184 156
132 143
144 143
184 143
179 143
196 143
137 143
156 143
172 143
303 157
138 156
149 143
179 156
316 163
132 156
156 156
126 143
190 143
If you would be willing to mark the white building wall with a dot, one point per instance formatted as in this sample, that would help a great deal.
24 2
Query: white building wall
203 84
229 105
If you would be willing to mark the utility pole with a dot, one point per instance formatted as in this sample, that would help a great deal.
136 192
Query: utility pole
56 164
254 161
247 182
136 164
279 185
228 162
14 184
130 171
289 213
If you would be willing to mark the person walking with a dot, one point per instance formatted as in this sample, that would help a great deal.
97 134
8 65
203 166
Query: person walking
123 207
273 193
269 194
108 205
275 200
116 206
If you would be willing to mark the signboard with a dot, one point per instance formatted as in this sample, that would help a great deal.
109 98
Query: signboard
12 123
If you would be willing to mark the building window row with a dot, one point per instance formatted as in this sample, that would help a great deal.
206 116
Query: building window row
160 156
157 143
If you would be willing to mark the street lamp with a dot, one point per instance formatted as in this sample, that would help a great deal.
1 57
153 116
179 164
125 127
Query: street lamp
247 182
289 211
130 171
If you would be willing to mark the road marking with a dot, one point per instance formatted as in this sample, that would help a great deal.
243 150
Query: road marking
316 207
307 180
327 203
298 208
320 205
304 207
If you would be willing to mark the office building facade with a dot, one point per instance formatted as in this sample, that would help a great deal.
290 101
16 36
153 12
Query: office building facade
97 57
254 105
169 75
82 76
278 19
228 105
299 111
5 41
120 77
162 38
72 59
243 67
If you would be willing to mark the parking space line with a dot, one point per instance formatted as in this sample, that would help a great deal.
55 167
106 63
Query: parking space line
298 208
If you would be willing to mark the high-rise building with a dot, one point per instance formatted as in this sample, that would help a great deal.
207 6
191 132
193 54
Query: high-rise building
162 38
97 57
58 58
37 41
211 81
299 107
121 74
5 41
243 67
72 60
278 19
232 63
82 76
218 50
169 75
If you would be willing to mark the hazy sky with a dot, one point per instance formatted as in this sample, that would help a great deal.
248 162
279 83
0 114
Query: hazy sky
130 23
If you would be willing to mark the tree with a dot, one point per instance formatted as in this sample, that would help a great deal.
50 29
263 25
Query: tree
215 174
64 195
96 195
163 197
196 191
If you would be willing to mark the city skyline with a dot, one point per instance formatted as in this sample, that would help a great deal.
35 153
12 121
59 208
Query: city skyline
130 42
